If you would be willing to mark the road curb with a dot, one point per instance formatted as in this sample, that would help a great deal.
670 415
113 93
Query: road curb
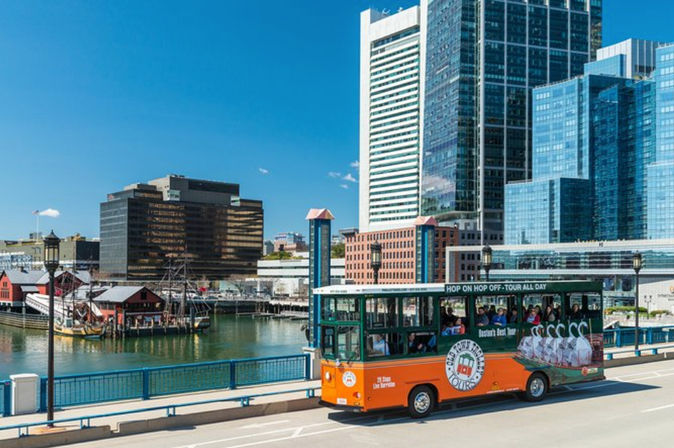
58 438
131 427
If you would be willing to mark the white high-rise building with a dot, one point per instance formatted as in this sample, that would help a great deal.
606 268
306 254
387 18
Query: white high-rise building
391 92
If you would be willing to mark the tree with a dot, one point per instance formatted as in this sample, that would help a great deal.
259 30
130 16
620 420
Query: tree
338 250
282 255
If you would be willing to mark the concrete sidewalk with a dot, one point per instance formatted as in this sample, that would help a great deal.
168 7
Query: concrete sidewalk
113 422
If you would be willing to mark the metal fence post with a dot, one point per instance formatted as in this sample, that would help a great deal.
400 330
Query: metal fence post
307 365
618 338
649 336
7 399
232 375
43 394
146 384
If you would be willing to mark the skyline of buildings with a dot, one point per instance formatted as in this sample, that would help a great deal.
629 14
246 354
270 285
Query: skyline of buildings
517 116
460 100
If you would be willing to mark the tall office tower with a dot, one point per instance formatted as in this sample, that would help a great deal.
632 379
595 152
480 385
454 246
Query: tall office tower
390 118
483 57
145 226
661 172
593 136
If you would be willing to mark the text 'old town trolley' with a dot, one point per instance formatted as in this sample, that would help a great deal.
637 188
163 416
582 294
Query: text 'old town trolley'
417 345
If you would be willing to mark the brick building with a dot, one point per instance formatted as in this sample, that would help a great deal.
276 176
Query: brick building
401 250
401 253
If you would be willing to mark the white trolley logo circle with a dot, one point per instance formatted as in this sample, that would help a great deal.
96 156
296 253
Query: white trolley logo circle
464 365
349 378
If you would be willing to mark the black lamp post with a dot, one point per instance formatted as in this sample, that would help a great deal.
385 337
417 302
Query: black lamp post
51 263
375 259
486 260
637 264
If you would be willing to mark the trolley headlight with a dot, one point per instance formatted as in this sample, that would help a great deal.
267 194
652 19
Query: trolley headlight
327 376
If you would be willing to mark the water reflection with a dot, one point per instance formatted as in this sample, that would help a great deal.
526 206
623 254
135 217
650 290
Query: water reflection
229 337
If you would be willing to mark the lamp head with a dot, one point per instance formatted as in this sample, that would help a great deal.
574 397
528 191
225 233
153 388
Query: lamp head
637 262
375 255
51 252
486 256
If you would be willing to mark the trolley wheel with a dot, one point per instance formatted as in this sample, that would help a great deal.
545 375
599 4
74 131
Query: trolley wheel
537 387
420 401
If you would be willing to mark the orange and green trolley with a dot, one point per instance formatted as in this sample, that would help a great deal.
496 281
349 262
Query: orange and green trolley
417 345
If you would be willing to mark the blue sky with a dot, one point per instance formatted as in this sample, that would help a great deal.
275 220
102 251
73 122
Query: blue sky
98 95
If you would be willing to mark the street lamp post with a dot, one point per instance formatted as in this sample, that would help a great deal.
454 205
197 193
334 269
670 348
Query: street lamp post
486 260
375 259
51 263
637 264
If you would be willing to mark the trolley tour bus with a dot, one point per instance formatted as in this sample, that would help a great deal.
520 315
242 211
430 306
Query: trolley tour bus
414 346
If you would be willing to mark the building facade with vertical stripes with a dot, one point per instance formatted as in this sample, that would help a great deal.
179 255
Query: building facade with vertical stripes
390 118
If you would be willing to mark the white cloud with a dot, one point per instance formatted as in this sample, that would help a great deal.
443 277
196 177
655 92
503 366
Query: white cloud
50 212
349 178
334 174
263 170
355 164
344 186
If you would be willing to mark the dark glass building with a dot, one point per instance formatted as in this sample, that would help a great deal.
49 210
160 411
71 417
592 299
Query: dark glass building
176 218
483 58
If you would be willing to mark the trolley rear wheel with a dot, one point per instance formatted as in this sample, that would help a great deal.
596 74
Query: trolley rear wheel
537 387
420 402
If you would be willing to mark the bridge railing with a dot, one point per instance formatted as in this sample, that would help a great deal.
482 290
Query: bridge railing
116 385
620 337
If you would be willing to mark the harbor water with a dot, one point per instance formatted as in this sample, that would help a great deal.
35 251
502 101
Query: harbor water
230 337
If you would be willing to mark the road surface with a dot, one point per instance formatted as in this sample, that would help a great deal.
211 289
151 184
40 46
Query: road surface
634 407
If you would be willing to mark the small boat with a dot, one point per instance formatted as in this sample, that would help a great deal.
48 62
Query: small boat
202 322
75 329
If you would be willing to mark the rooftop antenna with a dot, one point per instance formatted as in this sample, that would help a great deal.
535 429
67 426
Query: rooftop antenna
385 12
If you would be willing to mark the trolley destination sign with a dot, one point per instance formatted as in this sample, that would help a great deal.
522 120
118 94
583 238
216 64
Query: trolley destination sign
509 287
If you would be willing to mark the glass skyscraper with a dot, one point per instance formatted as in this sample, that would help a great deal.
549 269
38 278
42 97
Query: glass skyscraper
483 57
661 172
597 132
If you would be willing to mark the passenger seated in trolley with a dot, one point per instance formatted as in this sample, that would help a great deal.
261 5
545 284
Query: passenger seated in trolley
482 319
513 316
457 326
499 318
380 346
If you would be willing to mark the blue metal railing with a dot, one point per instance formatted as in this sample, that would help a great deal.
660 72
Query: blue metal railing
98 387
637 353
620 337
171 410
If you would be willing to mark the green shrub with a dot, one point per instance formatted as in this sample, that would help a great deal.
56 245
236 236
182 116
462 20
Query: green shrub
625 309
